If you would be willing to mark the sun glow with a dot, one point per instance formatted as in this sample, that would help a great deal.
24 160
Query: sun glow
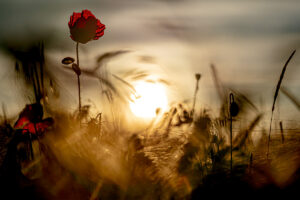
148 98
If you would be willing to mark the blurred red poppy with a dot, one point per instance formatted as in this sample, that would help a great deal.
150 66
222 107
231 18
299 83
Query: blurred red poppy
31 113
39 127
30 120
85 26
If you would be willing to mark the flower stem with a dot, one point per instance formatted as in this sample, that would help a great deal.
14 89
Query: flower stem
78 82
231 100
79 95
77 56
195 96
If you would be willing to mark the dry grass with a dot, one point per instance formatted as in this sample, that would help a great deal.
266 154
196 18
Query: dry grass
182 154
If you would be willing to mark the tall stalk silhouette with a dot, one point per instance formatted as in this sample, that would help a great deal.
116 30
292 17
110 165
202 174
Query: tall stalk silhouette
84 27
276 95
197 76
78 79
231 98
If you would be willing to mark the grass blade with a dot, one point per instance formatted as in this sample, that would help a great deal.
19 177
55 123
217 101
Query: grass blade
275 96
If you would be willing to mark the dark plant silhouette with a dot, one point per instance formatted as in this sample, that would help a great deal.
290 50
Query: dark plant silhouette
197 76
83 27
276 94
233 111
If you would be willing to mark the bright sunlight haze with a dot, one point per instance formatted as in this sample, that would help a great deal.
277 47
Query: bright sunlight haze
148 98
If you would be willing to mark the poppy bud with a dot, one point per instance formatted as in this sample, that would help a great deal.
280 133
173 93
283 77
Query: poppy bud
76 69
67 60
234 109
197 76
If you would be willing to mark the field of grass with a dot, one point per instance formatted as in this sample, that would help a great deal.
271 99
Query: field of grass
183 153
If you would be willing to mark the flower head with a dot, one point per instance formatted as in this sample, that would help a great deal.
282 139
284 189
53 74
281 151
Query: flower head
197 76
85 26
30 120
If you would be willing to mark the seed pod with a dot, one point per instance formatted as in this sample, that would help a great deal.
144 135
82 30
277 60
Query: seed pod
197 76
234 109
67 60
76 69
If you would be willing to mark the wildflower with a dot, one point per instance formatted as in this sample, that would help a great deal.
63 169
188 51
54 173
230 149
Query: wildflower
30 120
85 26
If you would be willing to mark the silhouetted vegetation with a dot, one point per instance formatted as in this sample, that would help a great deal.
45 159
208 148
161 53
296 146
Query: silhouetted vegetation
183 153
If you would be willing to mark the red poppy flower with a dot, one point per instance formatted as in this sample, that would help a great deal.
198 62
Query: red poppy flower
39 127
30 120
31 113
85 26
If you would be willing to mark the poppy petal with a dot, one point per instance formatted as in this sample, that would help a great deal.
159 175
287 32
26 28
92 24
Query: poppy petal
86 14
39 127
21 122
84 27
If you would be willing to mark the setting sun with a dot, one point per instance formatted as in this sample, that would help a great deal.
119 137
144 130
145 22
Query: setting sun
148 98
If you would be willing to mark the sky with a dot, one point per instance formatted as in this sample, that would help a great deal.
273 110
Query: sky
248 42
